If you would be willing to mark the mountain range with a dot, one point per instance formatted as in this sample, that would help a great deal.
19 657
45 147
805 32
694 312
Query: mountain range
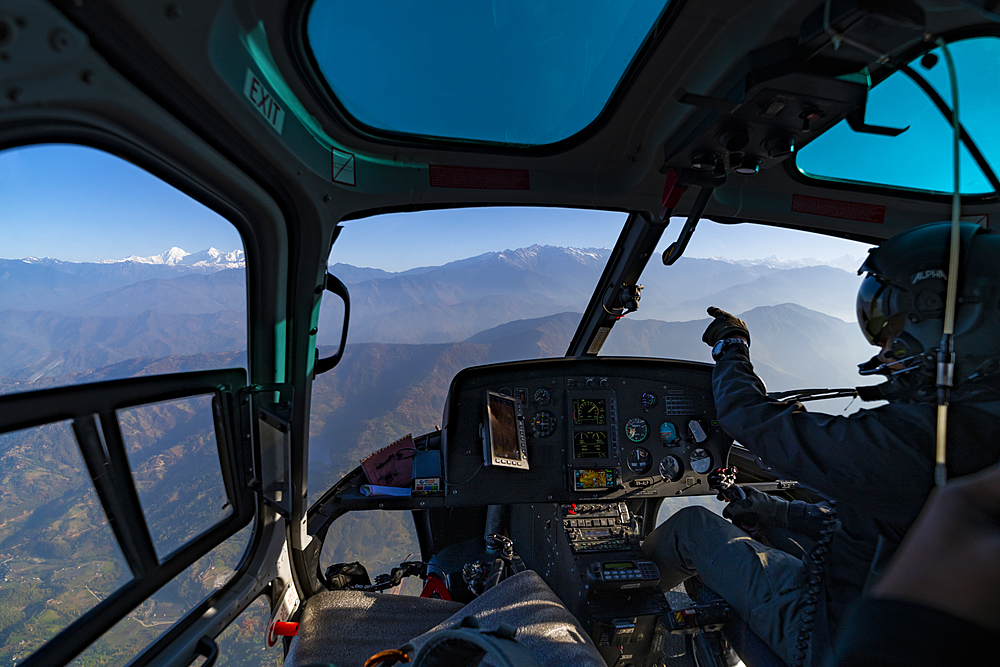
59 318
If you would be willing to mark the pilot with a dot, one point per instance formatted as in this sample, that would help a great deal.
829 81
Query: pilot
878 464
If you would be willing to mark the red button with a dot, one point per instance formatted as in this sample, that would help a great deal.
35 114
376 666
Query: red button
283 629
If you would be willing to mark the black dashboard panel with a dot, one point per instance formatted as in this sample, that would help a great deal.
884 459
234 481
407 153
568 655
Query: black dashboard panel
597 429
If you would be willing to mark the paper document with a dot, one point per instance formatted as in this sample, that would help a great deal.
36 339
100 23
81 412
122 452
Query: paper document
374 490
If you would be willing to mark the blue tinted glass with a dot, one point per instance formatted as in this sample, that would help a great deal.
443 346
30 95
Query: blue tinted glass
921 157
510 71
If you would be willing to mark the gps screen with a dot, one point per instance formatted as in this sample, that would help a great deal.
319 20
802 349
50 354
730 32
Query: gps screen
593 479
503 428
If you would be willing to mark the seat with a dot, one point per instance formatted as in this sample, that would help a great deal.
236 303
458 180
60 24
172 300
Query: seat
344 628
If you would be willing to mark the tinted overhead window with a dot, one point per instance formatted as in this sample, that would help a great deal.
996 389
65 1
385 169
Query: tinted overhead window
509 71
921 157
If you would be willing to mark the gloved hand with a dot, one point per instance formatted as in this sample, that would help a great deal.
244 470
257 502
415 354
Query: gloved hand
768 510
724 326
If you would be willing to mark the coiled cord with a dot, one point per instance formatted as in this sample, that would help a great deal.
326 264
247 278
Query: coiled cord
817 561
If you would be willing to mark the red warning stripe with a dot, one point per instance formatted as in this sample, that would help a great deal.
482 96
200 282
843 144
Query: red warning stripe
833 208
479 178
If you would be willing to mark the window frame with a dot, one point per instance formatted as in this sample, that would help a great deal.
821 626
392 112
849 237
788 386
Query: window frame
93 411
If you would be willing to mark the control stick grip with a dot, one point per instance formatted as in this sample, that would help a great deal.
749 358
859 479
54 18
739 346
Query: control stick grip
723 482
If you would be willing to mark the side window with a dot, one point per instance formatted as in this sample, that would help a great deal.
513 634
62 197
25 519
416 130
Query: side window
379 540
60 557
244 642
108 273
921 157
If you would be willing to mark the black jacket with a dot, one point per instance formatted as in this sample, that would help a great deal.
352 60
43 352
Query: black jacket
877 464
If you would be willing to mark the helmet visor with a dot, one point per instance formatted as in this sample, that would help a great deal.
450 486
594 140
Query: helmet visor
872 307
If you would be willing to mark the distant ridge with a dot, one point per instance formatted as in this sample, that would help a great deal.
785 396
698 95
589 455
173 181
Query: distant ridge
845 262
211 258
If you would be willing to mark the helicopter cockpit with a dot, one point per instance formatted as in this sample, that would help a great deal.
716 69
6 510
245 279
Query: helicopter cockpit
452 339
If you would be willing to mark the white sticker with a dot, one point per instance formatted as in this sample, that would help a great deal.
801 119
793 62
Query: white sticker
289 603
264 101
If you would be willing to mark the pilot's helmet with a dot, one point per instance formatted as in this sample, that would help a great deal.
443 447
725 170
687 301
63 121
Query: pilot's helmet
902 299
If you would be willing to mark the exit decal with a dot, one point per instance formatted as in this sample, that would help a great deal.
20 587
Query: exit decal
264 101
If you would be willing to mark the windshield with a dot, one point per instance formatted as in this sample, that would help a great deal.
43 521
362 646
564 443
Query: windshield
795 291
434 292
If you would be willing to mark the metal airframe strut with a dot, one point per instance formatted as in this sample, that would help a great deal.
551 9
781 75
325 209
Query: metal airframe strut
635 246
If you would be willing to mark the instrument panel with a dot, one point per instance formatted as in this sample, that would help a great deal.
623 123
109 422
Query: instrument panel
597 428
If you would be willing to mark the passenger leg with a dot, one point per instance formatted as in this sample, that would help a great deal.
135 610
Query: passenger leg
764 586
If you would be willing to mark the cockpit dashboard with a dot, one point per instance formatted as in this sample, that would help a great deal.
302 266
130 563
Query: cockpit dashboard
607 428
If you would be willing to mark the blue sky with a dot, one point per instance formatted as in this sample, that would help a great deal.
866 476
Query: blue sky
79 204
443 236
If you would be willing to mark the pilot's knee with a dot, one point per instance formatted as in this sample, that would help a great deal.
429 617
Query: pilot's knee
685 522
694 516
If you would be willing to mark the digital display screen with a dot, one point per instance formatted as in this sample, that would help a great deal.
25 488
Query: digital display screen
503 428
589 412
594 479
590 445
618 566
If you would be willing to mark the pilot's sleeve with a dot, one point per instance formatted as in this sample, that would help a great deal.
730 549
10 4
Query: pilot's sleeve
868 459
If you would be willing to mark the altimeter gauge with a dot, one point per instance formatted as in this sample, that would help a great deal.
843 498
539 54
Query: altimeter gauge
636 429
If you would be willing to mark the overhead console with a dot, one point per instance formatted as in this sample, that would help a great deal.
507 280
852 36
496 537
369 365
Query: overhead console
580 430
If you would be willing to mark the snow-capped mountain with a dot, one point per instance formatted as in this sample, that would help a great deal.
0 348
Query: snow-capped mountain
205 259
846 262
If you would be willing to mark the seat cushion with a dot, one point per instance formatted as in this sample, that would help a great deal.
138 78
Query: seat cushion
345 628
544 624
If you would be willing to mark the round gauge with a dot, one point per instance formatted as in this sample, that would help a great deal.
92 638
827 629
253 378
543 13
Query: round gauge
648 399
636 429
668 434
640 461
701 461
543 424
542 396
670 468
